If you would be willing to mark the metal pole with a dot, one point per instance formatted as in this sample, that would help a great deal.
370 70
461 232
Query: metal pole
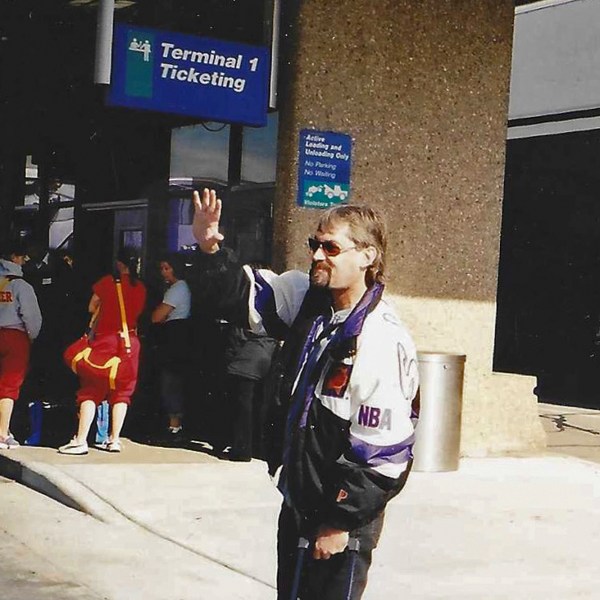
42 233
104 38
275 23
302 546
236 140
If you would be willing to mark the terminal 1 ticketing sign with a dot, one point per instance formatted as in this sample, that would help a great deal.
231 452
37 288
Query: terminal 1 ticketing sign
189 75
323 168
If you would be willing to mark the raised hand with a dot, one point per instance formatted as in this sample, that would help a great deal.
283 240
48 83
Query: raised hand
207 213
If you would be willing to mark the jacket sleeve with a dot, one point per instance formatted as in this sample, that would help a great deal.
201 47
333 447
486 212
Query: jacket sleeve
252 299
275 300
377 458
29 309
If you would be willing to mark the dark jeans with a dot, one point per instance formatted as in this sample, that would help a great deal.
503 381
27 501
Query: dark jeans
241 393
172 391
322 579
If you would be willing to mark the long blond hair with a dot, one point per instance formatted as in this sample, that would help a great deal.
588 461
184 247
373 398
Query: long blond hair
366 228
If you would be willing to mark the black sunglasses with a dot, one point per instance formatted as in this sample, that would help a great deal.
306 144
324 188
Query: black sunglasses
330 248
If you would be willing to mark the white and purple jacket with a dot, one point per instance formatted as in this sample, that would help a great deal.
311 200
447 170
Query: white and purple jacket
348 382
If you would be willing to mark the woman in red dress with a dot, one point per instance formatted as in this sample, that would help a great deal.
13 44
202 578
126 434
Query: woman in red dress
108 339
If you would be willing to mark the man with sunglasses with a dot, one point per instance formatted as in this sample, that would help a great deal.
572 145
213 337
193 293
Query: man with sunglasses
349 375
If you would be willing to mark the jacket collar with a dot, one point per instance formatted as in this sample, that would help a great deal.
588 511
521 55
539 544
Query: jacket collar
344 342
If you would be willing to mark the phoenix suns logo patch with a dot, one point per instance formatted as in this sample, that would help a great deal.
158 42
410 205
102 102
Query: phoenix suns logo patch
336 380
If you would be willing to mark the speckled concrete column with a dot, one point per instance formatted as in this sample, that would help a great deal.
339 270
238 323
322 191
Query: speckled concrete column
422 87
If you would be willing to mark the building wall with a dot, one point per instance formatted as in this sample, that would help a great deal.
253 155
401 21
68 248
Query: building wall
422 86
550 248
556 59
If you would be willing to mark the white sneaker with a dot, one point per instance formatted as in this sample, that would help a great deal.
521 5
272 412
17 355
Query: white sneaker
74 447
114 446
103 445
8 442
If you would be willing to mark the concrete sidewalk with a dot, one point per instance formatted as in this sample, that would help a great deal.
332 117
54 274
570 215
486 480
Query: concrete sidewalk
572 431
511 527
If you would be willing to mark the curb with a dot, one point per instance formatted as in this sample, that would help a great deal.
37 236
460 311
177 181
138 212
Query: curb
55 484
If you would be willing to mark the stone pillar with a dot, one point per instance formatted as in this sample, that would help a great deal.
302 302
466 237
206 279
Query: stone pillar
422 87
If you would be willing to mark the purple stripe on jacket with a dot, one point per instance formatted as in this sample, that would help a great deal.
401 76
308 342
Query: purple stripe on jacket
373 456
266 306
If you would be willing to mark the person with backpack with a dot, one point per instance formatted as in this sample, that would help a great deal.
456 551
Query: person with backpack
110 328
20 324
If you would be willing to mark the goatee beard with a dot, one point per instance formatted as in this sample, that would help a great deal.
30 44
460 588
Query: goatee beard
320 275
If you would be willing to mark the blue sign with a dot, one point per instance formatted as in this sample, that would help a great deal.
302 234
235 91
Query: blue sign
189 75
323 168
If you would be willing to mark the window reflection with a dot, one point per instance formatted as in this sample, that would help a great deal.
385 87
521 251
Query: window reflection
259 152
200 151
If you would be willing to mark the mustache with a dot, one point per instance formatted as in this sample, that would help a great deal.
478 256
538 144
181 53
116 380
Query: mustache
319 266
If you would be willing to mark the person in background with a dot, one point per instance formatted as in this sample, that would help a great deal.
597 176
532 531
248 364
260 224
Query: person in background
20 324
107 339
209 334
247 361
68 301
172 315
46 352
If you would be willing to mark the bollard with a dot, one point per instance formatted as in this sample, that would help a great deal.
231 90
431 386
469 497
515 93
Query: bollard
437 444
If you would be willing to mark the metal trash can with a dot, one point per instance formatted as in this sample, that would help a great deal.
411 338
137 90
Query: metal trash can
437 444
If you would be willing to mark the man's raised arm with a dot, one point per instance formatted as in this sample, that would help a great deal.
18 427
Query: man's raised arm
207 213
258 300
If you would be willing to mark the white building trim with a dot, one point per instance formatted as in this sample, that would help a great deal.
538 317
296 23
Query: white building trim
553 128
541 5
